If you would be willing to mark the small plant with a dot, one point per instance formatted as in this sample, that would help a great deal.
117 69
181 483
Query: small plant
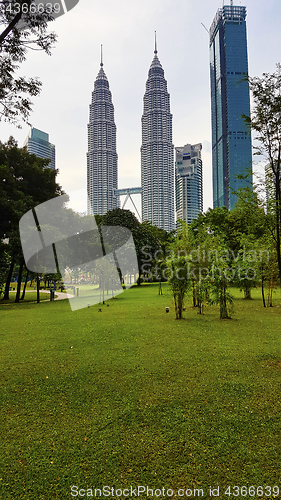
221 296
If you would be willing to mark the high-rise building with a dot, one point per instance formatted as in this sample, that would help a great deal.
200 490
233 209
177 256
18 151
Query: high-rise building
189 182
102 155
230 99
157 151
37 142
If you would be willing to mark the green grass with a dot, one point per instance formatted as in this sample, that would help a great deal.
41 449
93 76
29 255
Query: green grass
30 296
129 396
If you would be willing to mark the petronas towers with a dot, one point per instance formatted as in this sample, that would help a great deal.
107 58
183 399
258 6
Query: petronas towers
157 150
101 156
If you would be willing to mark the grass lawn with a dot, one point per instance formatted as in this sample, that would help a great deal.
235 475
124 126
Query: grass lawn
30 296
129 396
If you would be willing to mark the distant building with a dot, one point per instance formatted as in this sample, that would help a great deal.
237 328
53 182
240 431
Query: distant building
37 143
189 182
157 151
231 139
102 156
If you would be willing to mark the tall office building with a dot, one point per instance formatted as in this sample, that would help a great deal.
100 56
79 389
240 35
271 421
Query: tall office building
157 151
102 155
37 142
231 140
189 182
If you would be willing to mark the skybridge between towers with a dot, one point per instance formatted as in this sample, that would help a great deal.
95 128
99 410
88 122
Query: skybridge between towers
128 192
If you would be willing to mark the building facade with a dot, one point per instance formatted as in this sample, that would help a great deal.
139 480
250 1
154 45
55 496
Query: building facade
230 99
189 182
102 159
157 151
37 142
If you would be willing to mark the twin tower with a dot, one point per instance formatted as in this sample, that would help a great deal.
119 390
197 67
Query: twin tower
157 150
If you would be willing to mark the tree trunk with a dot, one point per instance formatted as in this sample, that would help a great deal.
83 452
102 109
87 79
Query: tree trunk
193 293
278 213
247 293
17 299
38 289
9 277
270 294
24 287
223 305
178 306
160 288
262 289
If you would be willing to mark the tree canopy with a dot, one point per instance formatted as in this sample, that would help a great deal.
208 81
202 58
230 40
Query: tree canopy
266 121
24 27
25 181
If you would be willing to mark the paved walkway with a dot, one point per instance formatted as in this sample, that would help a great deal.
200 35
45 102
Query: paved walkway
61 295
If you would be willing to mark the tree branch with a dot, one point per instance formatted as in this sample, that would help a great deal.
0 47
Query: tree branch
12 24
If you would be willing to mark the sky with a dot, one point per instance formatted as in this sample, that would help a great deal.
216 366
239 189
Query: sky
126 29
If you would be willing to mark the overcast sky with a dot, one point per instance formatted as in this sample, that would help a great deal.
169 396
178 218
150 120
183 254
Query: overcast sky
126 30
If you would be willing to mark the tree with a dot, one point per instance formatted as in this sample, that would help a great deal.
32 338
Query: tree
213 262
200 237
25 181
24 25
5 262
154 252
220 277
177 266
142 234
248 220
266 121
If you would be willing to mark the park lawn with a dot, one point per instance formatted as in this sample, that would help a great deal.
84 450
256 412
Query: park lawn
30 296
129 396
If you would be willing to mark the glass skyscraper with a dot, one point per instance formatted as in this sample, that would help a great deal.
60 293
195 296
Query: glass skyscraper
102 155
189 182
157 151
231 139
37 142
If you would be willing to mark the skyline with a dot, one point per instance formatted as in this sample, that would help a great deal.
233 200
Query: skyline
127 35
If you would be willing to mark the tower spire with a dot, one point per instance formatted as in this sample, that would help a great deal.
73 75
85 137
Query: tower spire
155 50
101 63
